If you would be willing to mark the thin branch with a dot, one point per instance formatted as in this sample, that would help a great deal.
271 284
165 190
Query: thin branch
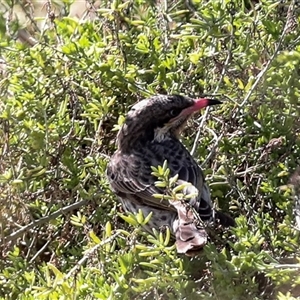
286 266
42 220
213 149
265 69
90 251
42 248
204 117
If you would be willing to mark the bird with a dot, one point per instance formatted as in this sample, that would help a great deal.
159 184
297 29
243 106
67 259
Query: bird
149 136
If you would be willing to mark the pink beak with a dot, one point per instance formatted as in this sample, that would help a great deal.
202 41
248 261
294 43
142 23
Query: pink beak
199 104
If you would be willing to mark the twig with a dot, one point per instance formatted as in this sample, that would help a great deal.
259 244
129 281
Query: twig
96 137
42 248
42 220
213 150
215 92
286 266
199 131
89 252
29 15
265 69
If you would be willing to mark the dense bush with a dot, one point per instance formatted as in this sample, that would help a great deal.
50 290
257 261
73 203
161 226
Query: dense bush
65 89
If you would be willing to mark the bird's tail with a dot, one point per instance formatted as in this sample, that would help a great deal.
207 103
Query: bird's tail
205 208
224 219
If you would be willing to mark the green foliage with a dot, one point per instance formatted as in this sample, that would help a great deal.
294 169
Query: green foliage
65 90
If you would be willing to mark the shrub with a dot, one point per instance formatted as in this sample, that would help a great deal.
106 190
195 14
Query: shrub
65 92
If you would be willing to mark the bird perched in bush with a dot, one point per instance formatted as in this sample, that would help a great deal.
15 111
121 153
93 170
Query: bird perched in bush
149 136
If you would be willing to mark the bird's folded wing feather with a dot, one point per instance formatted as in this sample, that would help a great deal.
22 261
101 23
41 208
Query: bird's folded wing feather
132 174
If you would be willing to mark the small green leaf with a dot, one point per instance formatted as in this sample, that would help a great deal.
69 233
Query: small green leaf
129 219
147 219
94 238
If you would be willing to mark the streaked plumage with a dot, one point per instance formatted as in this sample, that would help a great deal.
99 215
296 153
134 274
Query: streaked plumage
149 136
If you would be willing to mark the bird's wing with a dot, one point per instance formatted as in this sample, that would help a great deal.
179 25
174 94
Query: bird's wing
182 163
131 174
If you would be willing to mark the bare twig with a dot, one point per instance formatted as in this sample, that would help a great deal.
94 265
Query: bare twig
30 14
265 69
204 117
18 233
286 266
90 251
213 150
42 249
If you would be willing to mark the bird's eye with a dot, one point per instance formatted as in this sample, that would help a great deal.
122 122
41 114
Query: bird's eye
174 112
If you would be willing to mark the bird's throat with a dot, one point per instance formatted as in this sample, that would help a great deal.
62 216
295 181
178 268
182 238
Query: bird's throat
161 133
171 129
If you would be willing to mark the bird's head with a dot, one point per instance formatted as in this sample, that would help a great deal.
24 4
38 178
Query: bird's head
160 117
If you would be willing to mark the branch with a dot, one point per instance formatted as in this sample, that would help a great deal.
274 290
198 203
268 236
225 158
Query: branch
226 63
42 220
90 251
286 266
265 69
